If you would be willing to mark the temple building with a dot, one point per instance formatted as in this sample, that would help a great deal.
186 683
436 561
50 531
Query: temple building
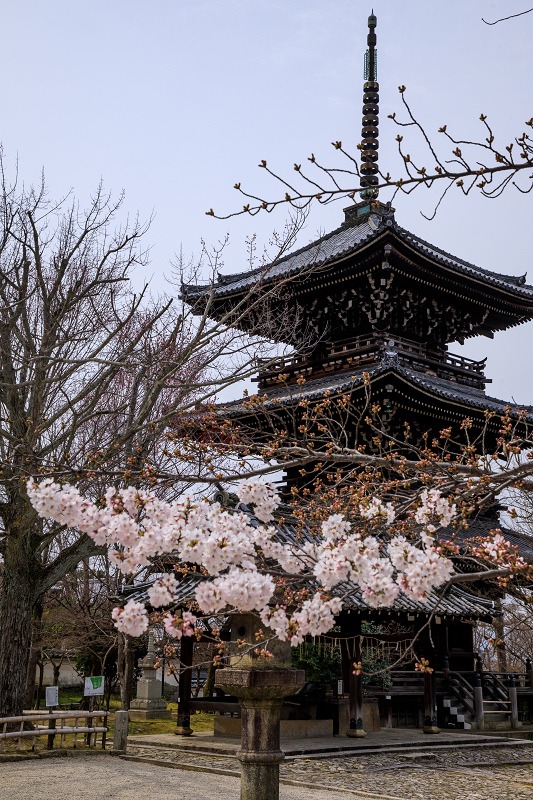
380 301
372 298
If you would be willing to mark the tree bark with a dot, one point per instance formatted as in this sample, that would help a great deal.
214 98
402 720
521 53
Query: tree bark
31 674
125 668
17 600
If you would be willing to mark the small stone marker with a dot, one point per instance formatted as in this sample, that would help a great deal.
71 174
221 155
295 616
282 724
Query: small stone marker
120 735
149 703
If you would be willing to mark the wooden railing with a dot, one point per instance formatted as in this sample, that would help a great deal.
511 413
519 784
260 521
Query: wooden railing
362 351
456 684
48 727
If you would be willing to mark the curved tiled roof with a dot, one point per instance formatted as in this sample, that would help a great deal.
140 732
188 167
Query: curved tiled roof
348 239
336 384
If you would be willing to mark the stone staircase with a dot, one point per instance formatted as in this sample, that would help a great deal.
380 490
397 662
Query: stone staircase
458 716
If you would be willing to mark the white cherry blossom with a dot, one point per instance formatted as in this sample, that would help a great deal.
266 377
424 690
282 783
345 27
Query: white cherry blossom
238 555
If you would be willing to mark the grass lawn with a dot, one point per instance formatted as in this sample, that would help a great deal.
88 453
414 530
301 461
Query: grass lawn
200 721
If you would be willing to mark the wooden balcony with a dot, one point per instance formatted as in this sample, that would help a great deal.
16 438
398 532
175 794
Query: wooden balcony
371 350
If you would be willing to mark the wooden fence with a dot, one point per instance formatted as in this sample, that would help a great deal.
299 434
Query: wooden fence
46 725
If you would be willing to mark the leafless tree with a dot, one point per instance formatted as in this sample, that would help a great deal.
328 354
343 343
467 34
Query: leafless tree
92 378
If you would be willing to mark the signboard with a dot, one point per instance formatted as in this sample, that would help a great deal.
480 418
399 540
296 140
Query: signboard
94 685
52 696
340 687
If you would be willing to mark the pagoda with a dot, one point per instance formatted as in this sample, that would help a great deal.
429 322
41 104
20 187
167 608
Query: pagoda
383 306
381 302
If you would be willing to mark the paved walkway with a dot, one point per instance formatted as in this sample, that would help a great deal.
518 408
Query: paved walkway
205 741
391 765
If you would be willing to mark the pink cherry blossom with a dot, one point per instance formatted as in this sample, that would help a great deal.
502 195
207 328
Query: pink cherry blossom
238 554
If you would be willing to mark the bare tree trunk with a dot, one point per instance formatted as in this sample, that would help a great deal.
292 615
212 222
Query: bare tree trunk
120 663
16 613
31 674
39 692
125 667
499 630
57 670
129 666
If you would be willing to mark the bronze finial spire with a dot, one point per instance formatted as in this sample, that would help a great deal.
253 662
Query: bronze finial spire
370 132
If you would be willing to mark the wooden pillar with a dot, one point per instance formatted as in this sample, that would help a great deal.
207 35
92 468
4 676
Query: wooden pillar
529 671
183 727
514 701
388 712
478 702
430 703
356 729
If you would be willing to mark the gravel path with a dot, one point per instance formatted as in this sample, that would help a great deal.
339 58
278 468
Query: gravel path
471 775
489 774
110 778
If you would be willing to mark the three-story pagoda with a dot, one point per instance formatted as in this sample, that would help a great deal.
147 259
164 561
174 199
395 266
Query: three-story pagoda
375 299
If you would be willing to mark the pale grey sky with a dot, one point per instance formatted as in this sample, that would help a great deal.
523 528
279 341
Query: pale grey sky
175 100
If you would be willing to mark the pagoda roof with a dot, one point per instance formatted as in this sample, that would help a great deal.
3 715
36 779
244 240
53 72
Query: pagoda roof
466 397
348 240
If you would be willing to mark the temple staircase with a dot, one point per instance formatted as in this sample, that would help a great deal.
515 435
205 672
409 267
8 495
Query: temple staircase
460 703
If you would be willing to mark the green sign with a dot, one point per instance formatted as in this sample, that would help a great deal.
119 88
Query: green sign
94 685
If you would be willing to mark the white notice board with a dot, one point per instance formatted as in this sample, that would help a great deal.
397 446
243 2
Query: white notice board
52 696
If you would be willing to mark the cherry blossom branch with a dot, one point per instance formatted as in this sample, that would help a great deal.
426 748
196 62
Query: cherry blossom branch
465 173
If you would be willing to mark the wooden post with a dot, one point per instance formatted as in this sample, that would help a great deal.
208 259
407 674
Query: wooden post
478 702
514 702
356 729
90 723
529 670
51 736
430 703
183 727
388 711
104 734
446 666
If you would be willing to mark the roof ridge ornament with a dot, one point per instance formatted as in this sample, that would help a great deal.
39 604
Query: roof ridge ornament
370 132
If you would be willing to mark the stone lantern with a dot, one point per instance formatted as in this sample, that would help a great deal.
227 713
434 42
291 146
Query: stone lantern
149 703
260 688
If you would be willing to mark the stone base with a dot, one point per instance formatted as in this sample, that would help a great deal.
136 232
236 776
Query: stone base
494 723
356 733
289 728
371 720
149 709
181 731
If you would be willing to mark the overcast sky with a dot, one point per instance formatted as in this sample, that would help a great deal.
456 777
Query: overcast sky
176 100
